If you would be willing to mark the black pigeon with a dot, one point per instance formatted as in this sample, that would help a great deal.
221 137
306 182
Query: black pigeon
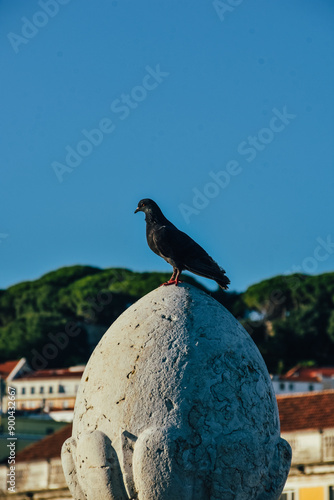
177 248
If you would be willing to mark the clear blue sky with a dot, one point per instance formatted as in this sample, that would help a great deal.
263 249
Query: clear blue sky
182 92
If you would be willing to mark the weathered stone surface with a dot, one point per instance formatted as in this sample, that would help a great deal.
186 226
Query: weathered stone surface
176 403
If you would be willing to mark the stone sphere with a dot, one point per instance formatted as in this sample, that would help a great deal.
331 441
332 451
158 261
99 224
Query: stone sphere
176 403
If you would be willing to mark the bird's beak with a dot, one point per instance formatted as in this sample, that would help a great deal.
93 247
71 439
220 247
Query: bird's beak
137 210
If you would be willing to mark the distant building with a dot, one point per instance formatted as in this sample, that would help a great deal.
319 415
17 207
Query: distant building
12 369
283 385
52 391
9 370
307 423
304 379
38 470
33 418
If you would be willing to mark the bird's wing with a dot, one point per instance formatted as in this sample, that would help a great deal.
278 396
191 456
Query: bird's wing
177 245
173 243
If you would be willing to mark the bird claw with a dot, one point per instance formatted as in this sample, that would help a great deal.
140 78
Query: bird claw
171 282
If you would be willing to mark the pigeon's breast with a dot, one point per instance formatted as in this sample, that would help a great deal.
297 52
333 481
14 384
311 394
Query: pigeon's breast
151 241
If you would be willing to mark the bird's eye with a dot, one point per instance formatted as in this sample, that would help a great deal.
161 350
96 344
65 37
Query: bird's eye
143 204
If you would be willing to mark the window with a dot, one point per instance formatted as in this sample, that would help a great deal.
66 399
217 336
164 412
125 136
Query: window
329 447
287 495
23 390
50 389
291 387
32 390
61 388
331 493
282 386
41 390
311 387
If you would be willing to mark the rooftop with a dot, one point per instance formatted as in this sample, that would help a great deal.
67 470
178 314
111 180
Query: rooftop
306 411
309 372
7 367
72 372
49 447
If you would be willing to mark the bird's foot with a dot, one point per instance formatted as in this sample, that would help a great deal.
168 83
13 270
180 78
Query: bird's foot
171 282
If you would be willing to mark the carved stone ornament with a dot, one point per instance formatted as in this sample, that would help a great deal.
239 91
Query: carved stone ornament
176 403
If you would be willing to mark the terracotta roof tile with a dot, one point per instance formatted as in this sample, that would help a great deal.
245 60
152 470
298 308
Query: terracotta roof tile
49 447
52 373
304 371
305 411
7 367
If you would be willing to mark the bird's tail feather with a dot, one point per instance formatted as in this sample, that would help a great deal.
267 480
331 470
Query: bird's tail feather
210 270
223 282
